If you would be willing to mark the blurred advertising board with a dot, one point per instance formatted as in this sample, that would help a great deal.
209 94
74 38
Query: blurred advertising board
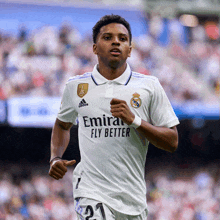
193 110
42 112
33 112
3 112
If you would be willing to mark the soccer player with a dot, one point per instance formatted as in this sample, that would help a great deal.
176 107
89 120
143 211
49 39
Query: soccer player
119 112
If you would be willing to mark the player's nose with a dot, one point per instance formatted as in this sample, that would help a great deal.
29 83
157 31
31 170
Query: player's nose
115 41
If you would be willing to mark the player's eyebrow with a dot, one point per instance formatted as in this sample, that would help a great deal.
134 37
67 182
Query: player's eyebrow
110 33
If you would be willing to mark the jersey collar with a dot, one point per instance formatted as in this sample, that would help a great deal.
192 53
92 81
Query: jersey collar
123 79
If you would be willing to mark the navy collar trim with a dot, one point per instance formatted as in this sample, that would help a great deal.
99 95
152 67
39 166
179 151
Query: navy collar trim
94 80
124 84
128 79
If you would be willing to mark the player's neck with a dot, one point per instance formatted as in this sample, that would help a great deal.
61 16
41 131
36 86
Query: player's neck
111 73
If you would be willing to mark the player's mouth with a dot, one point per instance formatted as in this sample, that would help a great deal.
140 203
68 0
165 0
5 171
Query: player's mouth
115 51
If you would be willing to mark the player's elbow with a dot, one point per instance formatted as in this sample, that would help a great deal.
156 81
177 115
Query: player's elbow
174 141
173 147
168 146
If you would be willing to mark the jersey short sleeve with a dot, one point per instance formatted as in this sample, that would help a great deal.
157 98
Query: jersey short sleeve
67 112
161 111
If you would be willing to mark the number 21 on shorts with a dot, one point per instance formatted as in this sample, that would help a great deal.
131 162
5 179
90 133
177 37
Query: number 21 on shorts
87 212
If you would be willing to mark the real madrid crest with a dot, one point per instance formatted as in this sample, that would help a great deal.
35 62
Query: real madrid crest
135 100
82 89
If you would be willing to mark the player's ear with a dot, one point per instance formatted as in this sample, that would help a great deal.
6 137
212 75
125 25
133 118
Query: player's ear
95 49
130 49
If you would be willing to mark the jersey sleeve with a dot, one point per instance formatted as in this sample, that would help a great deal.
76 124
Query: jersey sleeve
161 111
67 112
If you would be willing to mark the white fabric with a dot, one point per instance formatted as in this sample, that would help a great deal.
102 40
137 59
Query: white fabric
113 154
89 208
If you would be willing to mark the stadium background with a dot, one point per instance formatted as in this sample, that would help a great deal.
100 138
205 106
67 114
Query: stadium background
42 43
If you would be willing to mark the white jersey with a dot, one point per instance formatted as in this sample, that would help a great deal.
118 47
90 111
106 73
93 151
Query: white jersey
113 154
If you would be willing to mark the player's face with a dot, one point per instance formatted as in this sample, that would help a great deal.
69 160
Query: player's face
112 45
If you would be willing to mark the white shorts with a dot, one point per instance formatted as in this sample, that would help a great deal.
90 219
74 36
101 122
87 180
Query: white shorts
90 209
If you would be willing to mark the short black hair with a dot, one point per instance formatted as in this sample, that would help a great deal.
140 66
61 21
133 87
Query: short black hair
108 19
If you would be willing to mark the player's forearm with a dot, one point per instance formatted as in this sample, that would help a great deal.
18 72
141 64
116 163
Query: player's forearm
59 139
161 137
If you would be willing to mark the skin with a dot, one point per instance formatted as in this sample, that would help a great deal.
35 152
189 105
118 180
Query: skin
110 65
59 142
112 36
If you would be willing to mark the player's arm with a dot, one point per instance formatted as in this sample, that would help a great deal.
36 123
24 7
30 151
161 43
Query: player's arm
59 141
161 137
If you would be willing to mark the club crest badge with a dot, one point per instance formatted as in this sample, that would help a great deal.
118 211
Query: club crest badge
82 89
135 100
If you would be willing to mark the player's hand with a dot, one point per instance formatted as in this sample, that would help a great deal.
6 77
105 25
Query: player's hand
58 168
120 109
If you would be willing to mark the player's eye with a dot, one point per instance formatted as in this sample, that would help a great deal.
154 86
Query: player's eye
107 37
123 38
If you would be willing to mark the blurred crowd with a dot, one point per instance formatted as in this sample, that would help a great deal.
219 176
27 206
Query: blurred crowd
38 63
28 193
32 195
189 193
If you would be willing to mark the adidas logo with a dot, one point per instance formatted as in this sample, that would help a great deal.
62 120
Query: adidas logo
83 103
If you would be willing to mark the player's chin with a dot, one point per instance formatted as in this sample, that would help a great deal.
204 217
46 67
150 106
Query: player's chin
115 62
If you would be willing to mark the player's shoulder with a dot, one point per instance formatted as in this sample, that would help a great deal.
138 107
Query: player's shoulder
144 77
79 78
